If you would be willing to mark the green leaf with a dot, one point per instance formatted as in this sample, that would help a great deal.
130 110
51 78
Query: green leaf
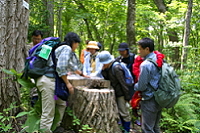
26 83
1 117
32 122
22 114
8 72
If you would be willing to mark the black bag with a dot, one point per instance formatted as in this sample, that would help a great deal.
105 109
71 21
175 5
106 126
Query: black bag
61 90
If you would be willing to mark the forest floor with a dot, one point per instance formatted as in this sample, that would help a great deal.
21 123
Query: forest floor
134 129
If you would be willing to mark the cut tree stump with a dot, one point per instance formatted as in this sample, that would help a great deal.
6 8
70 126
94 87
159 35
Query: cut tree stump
93 103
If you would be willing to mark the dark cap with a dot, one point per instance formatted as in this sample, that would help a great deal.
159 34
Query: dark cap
99 45
123 46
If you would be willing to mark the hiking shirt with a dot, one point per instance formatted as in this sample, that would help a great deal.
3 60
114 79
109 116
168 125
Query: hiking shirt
117 81
148 78
67 61
92 67
128 60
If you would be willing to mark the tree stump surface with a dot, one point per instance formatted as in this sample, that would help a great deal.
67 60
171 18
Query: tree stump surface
93 103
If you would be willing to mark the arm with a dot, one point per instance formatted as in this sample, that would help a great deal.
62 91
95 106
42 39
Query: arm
144 77
68 84
120 77
98 68
86 65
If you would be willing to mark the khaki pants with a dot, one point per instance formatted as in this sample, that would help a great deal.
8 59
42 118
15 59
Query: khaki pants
123 108
46 86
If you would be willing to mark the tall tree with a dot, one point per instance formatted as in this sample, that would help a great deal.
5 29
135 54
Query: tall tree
49 16
172 34
130 24
186 32
59 18
14 29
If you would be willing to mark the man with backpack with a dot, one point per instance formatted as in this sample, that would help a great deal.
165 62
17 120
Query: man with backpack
128 58
36 38
66 60
148 79
118 82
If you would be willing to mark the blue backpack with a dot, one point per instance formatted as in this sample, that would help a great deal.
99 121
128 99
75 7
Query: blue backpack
127 74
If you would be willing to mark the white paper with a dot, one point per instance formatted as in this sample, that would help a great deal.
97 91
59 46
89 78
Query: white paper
25 4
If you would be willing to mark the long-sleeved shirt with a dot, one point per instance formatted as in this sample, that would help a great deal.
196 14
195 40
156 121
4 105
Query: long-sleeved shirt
87 68
148 78
117 81
67 61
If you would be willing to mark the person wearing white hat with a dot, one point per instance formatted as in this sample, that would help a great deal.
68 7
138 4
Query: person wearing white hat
119 85
92 66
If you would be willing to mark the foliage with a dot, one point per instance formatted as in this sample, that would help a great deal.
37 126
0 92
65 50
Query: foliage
185 116
33 114
6 120
105 21
76 122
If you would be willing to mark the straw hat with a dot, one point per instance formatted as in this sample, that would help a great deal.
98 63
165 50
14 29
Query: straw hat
92 44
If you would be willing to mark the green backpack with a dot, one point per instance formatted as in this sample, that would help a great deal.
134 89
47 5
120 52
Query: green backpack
168 92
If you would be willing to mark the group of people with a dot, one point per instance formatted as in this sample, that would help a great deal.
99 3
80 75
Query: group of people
95 63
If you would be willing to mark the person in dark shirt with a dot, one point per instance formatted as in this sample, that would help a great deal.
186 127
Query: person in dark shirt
119 85
128 58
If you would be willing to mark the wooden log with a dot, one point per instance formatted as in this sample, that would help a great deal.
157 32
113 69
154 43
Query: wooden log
94 107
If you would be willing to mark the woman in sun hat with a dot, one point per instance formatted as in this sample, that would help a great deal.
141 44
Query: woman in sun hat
92 66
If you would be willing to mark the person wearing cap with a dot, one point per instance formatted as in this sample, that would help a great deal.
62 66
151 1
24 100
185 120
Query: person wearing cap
119 85
92 66
128 58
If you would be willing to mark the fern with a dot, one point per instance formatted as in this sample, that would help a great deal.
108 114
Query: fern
182 118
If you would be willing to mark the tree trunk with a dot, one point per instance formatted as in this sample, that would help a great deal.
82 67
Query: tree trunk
59 20
186 33
96 108
14 29
93 103
130 25
160 5
172 34
49 17
90 37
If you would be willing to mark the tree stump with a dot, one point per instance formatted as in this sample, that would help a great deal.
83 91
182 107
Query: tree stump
93 103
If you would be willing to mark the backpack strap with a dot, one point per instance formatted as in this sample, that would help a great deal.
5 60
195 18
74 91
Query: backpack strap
152 61
113 65
131 61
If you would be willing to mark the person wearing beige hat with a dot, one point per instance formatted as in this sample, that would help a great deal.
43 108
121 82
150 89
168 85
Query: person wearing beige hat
92 66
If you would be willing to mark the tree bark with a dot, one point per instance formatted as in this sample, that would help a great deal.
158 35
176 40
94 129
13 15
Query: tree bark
93 103
186 33
14 29
130 26
90 37
96 108
59 21
160 5
49 17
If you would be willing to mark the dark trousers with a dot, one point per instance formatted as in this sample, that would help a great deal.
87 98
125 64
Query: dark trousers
131 90
151 114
